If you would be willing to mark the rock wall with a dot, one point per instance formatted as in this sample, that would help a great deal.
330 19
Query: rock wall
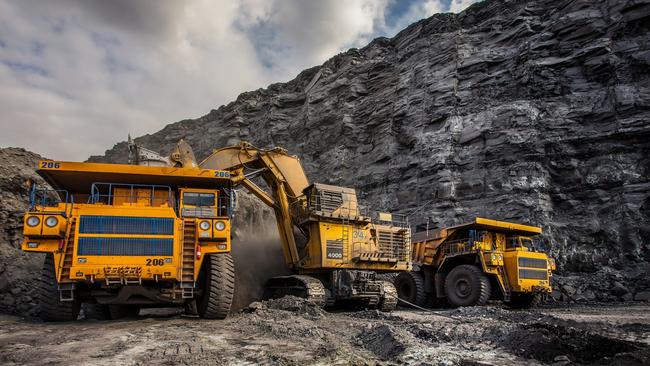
18 270
533 111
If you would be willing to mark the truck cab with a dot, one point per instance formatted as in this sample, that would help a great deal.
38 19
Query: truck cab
121 237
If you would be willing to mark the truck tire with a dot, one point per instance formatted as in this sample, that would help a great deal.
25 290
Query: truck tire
524 300
53 310
467 285
410 287
218 285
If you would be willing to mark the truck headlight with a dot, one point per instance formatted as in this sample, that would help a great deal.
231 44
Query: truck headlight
551 264
220 225
51 221
33 221
204 225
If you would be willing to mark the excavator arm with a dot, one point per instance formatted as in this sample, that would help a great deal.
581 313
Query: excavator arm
344 246
284 176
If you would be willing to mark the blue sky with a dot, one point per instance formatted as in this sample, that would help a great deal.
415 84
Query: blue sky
76 76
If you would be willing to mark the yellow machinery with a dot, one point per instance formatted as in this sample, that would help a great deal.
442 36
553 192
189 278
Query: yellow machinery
469 264
334 249
121 237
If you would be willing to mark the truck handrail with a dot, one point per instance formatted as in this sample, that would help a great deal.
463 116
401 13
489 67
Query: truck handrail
40 197
96 193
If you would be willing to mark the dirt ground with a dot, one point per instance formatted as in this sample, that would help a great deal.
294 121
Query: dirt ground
291 331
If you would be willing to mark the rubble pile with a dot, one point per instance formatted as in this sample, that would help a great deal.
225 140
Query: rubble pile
18 271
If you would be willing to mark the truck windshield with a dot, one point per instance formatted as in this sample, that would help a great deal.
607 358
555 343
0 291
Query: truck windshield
198 199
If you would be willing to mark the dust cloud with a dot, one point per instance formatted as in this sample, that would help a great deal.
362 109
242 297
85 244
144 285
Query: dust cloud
256 250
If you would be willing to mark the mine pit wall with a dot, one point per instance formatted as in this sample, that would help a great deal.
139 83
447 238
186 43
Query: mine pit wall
19 271
532 111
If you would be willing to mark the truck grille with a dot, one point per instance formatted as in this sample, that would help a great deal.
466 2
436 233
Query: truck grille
392 244
126 225
532 262
126 246
533 274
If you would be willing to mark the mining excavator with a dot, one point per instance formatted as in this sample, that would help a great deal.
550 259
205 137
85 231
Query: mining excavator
334 249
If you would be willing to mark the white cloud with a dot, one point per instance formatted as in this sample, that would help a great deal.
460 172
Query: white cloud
417 10
77 75
456 6
293 34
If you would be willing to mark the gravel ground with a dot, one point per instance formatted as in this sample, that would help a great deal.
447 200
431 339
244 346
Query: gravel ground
291 331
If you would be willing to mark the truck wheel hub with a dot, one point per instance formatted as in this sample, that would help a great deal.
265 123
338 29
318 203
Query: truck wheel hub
463 288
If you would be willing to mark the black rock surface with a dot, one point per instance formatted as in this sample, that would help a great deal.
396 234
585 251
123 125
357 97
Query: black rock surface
532 111
19 271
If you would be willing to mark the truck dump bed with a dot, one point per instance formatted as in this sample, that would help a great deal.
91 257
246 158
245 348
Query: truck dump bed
78 177
425 243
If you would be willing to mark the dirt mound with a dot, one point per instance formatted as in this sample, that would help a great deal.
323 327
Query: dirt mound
384 341
18 271
292 304
549 342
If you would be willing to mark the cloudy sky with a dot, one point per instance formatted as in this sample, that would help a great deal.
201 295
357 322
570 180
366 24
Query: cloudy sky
76 76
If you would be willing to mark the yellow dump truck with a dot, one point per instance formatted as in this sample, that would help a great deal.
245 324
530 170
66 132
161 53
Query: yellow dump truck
120 237
469 264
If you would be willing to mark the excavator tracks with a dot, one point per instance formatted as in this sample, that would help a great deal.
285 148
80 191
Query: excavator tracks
307 287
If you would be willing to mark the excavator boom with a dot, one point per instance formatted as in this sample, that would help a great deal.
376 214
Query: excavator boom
341 249
283 174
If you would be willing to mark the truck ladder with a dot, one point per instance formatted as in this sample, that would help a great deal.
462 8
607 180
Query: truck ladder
68 252
189 256
404 254
505 284
345 239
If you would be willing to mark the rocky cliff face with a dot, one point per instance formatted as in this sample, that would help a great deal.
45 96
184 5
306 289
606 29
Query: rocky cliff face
18 270
533 111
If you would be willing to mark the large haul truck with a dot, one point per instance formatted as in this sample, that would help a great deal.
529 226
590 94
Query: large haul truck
120 237
468 264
